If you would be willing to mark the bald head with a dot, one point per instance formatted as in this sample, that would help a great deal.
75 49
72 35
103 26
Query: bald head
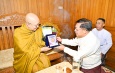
32 21
32 18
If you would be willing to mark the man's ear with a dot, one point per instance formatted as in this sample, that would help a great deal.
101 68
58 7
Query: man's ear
85 31
103 25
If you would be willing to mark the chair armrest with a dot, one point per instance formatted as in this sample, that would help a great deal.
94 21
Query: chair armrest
55 56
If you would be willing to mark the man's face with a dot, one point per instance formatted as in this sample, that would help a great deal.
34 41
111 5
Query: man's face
99 24
79 31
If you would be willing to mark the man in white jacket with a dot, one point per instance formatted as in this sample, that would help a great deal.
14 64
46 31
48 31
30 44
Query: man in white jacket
88 47
104 36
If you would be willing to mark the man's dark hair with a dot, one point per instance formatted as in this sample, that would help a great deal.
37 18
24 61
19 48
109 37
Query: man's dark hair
87 24
101 19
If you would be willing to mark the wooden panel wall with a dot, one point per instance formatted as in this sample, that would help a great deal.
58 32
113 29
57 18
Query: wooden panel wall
110 60
93 9
56 11
65 12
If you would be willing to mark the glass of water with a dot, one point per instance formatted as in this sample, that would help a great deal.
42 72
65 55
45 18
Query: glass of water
75 66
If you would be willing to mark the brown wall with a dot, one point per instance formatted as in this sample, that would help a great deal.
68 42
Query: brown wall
65 12
49 10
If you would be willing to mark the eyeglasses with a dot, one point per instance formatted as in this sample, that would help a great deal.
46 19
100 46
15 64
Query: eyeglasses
31 23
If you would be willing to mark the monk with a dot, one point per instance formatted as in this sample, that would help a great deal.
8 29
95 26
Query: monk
29 47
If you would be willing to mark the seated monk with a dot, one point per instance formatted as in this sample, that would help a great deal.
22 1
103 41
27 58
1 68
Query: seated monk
29 47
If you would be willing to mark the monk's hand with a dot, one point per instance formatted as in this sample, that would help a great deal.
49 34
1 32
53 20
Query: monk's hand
61 47
59 39
45 49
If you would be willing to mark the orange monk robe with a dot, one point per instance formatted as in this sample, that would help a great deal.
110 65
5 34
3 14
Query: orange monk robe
27 50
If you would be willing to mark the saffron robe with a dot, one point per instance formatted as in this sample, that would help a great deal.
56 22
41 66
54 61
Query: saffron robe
27 50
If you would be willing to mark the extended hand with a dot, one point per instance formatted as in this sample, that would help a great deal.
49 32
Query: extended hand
59 39
61 47
45 48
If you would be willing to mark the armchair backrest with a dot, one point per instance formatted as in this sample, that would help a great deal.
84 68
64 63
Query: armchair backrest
7 25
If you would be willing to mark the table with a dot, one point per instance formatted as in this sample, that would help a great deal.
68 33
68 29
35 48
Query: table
53 69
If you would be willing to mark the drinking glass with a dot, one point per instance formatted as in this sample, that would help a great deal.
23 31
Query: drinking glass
58 69
75 66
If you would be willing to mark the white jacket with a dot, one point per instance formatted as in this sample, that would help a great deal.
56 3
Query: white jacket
88 50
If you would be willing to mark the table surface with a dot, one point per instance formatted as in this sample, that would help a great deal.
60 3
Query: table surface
58 68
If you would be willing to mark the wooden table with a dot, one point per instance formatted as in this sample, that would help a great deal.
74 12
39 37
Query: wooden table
58 68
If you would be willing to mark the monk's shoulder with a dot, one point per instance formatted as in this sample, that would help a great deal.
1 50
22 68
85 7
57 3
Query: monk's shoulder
17 31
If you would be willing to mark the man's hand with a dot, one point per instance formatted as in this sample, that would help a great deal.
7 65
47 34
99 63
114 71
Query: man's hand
102 55
45 48
61 47
59 39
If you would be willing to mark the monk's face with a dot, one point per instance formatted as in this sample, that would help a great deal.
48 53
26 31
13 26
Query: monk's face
32 21
33 26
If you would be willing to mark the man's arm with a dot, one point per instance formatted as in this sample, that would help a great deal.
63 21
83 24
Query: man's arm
108 44
71 42
84 51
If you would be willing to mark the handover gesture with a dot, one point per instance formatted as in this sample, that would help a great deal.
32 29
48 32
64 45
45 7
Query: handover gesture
45 49
59 39
61 47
